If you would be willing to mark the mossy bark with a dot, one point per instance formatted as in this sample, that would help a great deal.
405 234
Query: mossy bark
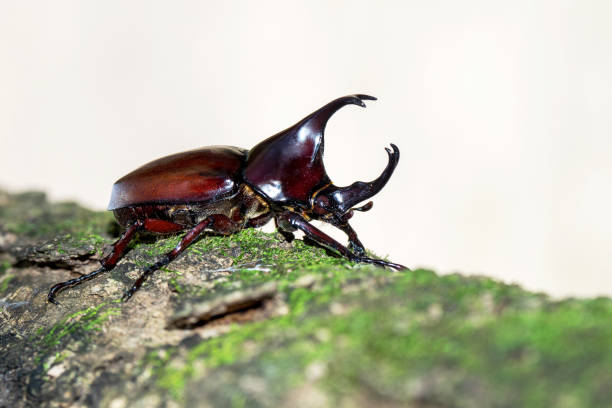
251 320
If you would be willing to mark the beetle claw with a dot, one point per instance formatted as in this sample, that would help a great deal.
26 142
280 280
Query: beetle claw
357 250
380 262
126 296
51 299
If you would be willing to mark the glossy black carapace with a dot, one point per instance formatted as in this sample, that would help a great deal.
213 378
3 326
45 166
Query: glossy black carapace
225 189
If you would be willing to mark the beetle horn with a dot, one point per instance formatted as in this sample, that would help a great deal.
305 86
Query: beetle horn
347 197
317 120
275 166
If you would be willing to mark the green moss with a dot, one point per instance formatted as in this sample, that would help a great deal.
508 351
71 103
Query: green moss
4 266
383 336
176 287
469 332
76 326
55 359
230 348
5 282
257 257
248 248
71 242
81 238
29 214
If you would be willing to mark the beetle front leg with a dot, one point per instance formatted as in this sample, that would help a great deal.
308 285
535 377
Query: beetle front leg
290 221
355 244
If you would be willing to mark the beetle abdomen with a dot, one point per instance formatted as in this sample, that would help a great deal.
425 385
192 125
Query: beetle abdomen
196 176
240 208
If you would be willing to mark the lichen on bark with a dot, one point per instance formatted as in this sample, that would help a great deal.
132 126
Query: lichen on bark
251 320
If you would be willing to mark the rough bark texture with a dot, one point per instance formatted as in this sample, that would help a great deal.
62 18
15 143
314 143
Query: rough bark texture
251 320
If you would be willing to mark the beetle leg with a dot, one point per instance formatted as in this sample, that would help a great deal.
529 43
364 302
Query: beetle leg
288 235
291 221
259 221
108 263
218 222
355 244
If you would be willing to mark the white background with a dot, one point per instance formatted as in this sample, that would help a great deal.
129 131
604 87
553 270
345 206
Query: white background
502 112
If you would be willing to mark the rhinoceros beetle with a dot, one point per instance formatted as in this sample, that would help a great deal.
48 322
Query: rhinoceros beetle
224 189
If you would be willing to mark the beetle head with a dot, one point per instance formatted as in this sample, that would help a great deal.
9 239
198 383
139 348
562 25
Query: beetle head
335 204
287 169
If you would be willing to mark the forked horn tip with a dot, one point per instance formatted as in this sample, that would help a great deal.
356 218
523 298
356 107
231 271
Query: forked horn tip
359 99
366 97
394 155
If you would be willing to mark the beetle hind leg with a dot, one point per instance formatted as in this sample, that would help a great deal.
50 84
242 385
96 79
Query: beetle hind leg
108 263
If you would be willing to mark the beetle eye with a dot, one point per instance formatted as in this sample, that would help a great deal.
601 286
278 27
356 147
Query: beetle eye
321 205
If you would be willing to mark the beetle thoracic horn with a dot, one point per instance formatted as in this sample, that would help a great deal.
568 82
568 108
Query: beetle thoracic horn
276 164
317 120
347 197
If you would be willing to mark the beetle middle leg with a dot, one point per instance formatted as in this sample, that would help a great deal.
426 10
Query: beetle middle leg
216 222
291 221
288 235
